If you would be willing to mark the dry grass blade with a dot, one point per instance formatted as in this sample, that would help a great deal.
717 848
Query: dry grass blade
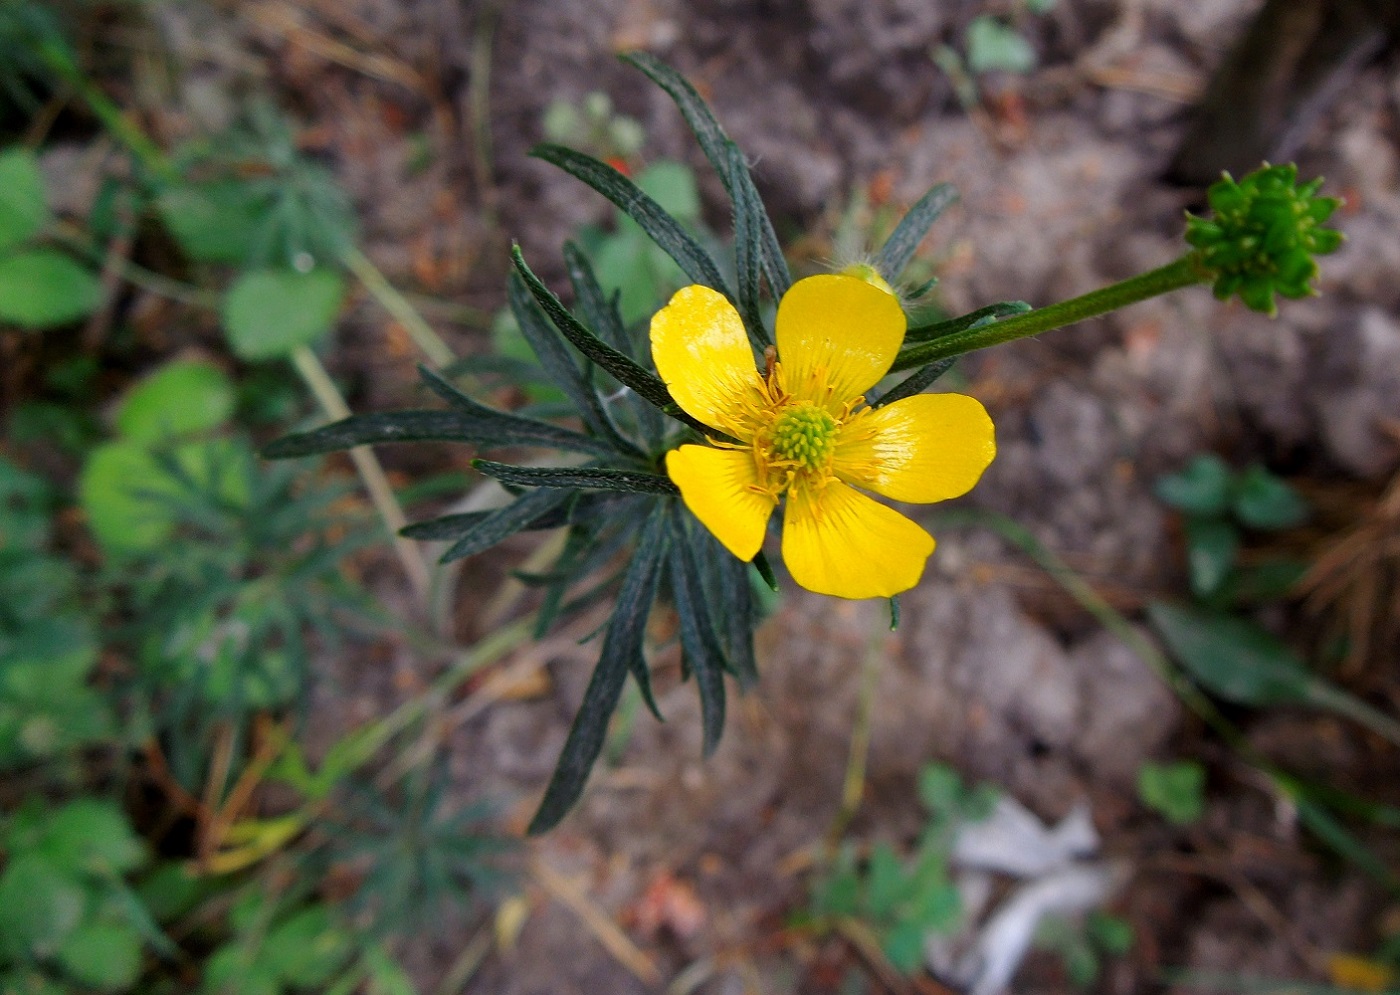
599 923
1354 583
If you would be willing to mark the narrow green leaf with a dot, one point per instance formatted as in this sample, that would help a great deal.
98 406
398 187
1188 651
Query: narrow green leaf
559 365
601 314
600 477
973 319
506 521
727 586
388 426
663 229
748 255
915 383
622 646
42 288
713 142
703 653
647 384
899 248
510 425
448 527
1231 657
23 204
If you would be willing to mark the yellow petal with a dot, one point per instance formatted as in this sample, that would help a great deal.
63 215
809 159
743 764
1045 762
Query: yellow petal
837 336
703 355
929 447
716 485
838 541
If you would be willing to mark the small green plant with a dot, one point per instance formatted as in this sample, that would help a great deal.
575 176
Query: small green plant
1176 790
903 899
989 45
1083 946
41 286
1213 638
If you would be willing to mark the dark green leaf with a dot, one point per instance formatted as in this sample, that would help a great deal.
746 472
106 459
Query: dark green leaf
1211 547
973 319
422 426
511 426
915 383
602 315
727 585
1231 657
558 364
1203 488
703 652
713 142
748 252
507 521
1263 501
899 248
622 647
647 384
599 478
663 229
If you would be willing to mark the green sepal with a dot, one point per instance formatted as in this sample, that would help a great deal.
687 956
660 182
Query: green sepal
586 477
973 319
622 648
559 365
638 205
699 642
503 522
915 383
765 571
713 142
899 248
647 384
748 252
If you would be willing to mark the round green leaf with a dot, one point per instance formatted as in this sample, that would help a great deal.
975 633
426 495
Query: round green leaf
1203 488
213 222
23 210
42 288
93 836
271 313
993 46
1263 501
1176 790
307 949
181 398
39 907
103 955
127 494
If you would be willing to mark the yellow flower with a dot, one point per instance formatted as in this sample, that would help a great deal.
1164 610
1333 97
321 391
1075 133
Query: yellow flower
802 429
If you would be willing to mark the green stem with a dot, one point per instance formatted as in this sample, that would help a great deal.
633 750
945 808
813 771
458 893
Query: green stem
398 306
376 483
1182 273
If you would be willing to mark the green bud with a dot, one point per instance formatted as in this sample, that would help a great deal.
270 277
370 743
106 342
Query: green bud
1263 236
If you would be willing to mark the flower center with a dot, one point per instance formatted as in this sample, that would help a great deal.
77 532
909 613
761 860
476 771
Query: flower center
804 435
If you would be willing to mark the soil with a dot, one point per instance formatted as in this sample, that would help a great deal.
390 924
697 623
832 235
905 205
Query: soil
994 670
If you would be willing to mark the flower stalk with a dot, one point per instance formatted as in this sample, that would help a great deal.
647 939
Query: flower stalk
1175 275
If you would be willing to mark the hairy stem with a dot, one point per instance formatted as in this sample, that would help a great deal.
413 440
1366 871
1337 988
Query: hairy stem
1182 273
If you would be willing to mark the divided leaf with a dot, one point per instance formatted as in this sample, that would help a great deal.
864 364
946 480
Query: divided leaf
622 653
899 248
